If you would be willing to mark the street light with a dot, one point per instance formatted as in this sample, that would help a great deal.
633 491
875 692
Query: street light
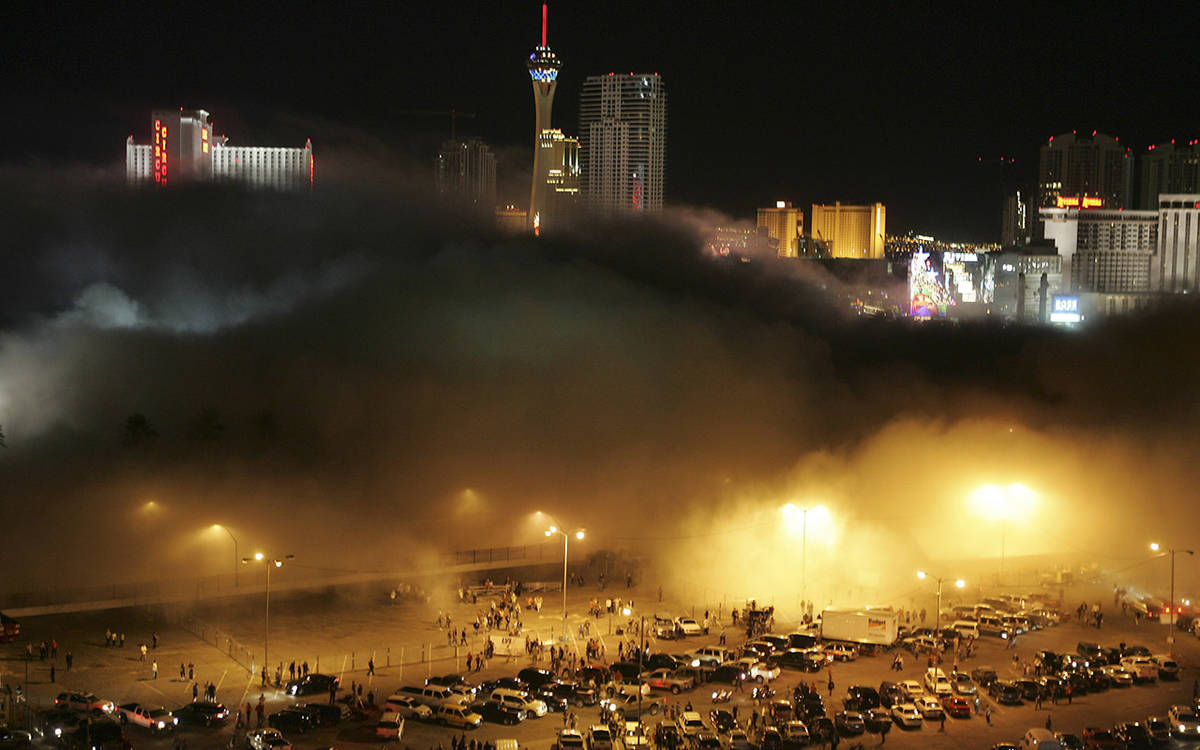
1154 547
566 540
235 550
937 617
271 563
789 514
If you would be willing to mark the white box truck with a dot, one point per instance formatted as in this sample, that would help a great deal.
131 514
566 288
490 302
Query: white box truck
878 626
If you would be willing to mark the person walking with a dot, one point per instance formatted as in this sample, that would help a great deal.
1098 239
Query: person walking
182 671
261 708
942 723
154 639
1048 722
831 683
371 667
192 675
195 692
142 652
987 714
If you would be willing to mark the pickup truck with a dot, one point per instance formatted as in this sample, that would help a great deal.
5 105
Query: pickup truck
667 679
155 719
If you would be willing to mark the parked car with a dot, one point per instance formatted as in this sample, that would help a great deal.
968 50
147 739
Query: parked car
266 739
722 720
795 733
597 737
805 660
390 726
457 715
961 681
907 715
1005 692
849 722
757 670
929 707
983 676
535 677
728 674
877 720
1069 741
202 713
328 714
1159 729
1134 735
291 722
311 684
568 739
408 707
912 689
494 713
667 679
956 706
1168 668
1185 722
1100 739
861 698
688 625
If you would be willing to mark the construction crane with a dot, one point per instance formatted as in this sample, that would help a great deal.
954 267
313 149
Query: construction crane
454 114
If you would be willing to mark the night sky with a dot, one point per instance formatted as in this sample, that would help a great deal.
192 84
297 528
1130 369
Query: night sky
767 100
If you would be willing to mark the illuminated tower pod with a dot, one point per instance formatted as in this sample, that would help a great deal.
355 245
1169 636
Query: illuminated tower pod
623 139
543 67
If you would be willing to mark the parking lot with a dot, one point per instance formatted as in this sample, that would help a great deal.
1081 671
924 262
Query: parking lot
121 675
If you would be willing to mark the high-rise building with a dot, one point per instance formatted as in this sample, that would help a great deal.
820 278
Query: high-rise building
851 231
785 227
1103 250
466 170
543 67
623 141
560 155
1074 168
1168 168
185 149
1016 225
1176 265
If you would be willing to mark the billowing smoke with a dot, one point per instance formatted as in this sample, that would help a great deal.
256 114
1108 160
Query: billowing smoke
358 373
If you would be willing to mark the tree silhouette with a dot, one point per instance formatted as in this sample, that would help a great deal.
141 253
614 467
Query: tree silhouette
207 426
137 431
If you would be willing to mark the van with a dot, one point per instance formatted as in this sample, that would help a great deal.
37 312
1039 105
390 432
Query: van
428 695
1041 739
966 628
990 624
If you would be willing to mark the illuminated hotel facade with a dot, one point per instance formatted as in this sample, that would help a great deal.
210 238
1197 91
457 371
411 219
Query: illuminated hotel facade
1102 250
1095 166
623 142
851 231
185 149
1176 267
784 226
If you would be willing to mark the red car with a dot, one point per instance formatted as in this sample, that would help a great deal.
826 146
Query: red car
956 706
1100 739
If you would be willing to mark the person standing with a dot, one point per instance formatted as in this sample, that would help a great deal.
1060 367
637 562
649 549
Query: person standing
154 639
195 692
70 660
261 708
371 667
154 669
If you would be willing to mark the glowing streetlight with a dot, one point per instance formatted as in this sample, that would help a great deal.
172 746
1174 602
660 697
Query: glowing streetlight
566 540
1154 547
236 557
1004 504
273 563
937 618
790 513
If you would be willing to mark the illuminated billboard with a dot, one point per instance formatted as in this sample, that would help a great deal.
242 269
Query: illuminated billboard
1065 309
926 297
1071 201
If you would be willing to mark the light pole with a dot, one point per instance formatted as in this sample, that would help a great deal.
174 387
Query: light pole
1154 547
937 617
566 541
790 510
276 562
235 550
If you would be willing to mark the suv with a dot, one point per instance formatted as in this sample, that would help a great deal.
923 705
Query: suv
1005 692
535 677
518 700
691 724
457 715
983 676
599 738
1185 723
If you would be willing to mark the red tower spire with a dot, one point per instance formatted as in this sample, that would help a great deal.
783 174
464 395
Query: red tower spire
543 24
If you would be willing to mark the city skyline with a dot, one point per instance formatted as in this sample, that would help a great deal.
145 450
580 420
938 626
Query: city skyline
926 136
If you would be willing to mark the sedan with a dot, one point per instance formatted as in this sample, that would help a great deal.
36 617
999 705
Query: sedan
1118 676
1159 729
962 683
802 659
722 720
957 706
907 715
312 684
266 739
202 713
929 707
288 721
494 713
84 702
912 689
795 733
849 722
689 626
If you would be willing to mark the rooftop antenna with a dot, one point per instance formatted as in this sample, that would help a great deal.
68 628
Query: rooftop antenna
543 24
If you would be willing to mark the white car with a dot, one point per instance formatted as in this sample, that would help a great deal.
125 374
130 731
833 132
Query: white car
155 719
569 739
1168 668
691 724
1185 723
390 726
599 738
795 732
689 626
736 739
1120 676
1143 668
758 671
912 689
936 683
267 739
407 707
719 653
962 683
906 715
929 707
